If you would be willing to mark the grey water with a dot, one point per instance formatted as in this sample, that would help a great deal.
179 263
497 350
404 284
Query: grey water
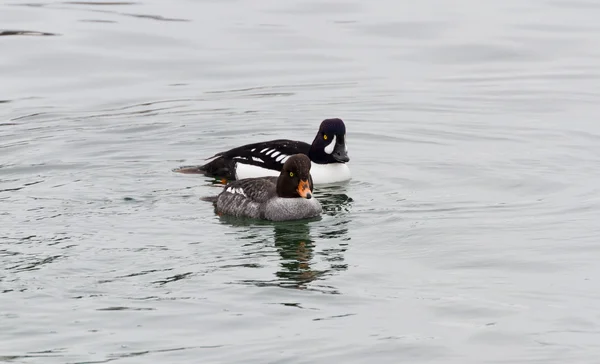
469 232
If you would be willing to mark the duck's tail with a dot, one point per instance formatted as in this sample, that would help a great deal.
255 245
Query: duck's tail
219 167
191 169
211 199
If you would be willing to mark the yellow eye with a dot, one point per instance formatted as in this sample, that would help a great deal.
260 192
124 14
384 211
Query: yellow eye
291 174
324 136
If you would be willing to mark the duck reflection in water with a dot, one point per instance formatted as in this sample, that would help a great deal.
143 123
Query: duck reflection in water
296 245
296 248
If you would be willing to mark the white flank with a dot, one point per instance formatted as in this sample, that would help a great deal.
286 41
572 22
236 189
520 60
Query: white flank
243 170
321 173
329 148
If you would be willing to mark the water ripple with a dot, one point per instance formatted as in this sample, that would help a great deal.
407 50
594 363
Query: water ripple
471 220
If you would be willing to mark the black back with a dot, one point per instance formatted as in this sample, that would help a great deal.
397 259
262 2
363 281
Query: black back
256 154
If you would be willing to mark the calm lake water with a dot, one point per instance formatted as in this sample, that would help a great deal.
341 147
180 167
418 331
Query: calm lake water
469 233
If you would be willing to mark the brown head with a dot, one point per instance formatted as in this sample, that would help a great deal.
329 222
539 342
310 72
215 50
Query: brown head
295 179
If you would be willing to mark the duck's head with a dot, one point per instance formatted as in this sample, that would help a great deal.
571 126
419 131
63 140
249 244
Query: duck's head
329 146
295 179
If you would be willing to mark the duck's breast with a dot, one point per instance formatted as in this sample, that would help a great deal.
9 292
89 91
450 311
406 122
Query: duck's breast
329 173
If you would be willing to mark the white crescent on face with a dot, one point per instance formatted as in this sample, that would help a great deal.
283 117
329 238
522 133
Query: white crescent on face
329 148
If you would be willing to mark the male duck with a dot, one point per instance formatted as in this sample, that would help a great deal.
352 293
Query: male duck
328 155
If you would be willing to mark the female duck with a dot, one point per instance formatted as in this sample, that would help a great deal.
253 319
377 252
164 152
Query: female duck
287 197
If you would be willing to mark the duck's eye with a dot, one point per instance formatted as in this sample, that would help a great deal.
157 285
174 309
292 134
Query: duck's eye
291 174
325 136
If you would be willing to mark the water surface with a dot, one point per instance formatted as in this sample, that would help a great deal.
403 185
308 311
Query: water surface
468 234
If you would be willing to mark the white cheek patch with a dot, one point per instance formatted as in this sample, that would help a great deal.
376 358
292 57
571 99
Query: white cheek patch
329 148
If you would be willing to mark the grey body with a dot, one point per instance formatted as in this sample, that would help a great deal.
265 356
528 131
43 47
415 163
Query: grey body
257 198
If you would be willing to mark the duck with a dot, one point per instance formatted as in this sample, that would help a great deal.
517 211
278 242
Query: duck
328 155
286 197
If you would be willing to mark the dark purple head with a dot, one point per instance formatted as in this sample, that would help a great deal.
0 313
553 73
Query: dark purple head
329 146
